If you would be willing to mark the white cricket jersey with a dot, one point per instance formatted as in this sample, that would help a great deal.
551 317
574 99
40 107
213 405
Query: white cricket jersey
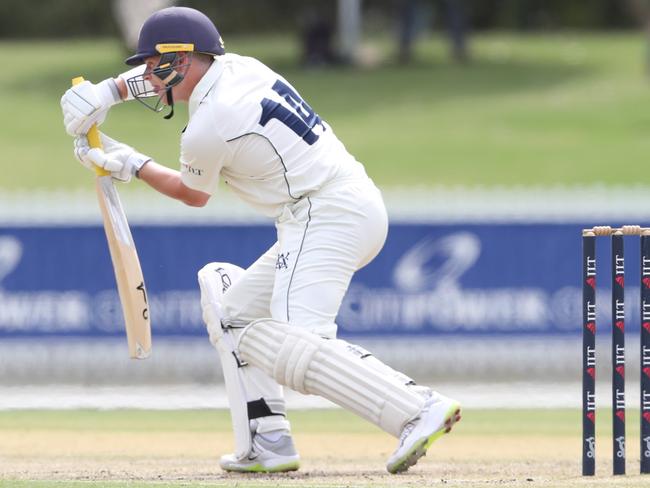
249 125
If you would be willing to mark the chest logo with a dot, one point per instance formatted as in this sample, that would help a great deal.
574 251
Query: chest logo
193 171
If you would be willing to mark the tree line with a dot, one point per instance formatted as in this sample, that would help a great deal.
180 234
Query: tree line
72 18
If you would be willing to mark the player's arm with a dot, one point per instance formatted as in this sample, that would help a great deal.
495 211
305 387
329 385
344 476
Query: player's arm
124 162
169 182
121 88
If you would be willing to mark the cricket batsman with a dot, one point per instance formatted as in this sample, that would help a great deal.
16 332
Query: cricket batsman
273 324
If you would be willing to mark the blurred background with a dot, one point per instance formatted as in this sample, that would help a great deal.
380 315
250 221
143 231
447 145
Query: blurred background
496 129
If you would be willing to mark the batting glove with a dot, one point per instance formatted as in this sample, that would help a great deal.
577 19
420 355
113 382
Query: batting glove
121 160
86 104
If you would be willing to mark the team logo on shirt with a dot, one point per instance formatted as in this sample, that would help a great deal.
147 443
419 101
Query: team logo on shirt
190 170
282 261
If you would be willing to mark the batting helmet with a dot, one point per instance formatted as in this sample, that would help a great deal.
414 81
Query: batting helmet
176 29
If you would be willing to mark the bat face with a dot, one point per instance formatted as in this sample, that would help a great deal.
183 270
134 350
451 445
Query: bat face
128 274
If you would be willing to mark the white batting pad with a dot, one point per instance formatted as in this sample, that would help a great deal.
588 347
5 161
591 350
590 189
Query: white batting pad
372 362
248 388
310 364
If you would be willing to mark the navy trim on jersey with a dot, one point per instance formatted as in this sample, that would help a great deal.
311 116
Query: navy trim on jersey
276 152
295 264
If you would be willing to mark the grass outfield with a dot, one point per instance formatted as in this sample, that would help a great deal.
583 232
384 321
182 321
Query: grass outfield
533 448
557 109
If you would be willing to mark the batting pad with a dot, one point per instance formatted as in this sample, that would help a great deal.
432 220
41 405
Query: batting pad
252 394
310 364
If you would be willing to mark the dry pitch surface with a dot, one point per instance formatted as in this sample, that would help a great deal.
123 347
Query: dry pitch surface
511 448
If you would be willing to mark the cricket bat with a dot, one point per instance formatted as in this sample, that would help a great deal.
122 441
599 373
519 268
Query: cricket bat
126 264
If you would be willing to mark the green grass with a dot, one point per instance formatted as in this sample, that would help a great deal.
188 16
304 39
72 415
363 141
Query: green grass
166 421
488 422
482 422
555 109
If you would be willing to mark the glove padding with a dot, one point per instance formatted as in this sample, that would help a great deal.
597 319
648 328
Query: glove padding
121 160
86 104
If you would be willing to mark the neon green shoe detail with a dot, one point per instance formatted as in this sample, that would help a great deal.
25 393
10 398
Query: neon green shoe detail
437 417
266 456
260 468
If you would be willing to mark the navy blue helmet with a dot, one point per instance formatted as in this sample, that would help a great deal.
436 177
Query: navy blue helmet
177 29
168 32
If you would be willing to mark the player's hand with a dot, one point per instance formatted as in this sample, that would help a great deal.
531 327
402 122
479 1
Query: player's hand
121 160
86 104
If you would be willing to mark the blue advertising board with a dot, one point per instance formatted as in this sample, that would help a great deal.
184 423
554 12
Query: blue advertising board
429 279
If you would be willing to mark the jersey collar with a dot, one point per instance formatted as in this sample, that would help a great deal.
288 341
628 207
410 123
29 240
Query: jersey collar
205 84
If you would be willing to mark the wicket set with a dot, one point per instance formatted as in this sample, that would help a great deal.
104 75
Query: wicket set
618 346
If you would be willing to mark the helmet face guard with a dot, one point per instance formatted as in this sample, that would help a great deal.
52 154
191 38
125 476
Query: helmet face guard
167 71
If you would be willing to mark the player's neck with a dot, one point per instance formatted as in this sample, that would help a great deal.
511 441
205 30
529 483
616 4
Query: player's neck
197 69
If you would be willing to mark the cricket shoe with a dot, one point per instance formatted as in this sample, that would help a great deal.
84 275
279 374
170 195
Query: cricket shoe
266 456
437 417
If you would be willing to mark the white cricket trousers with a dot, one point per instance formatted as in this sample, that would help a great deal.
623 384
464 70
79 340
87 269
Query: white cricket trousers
322 240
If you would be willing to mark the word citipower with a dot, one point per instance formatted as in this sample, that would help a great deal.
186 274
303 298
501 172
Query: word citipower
618 345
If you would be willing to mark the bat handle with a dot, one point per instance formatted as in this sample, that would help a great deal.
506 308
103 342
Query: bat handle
93 135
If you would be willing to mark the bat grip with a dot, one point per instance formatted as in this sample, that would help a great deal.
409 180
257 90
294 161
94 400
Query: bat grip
93 135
